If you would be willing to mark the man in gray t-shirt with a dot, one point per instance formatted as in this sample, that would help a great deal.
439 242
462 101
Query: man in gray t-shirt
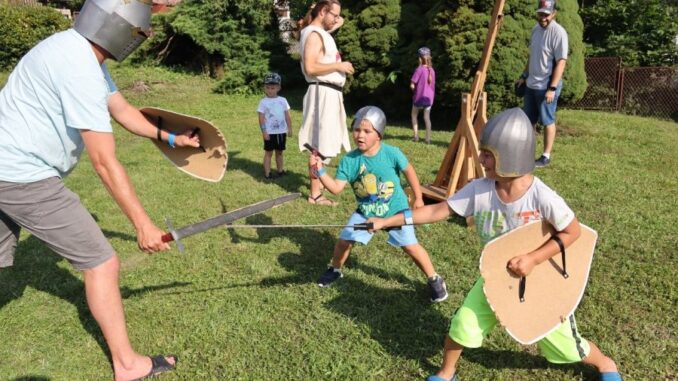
543 74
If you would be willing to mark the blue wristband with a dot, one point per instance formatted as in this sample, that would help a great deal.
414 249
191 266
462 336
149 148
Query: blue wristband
321 172
170 139
408 217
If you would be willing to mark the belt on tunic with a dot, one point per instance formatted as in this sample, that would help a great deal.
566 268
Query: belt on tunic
327 84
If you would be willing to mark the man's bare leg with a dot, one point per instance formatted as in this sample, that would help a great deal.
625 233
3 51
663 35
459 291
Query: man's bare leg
549 137
105 303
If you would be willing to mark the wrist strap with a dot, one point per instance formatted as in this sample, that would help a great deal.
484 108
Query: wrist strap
524 75
562 254
159 134
170 139
408 217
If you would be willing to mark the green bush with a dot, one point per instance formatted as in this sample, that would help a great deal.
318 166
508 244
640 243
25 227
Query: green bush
225 38
381 37
22 27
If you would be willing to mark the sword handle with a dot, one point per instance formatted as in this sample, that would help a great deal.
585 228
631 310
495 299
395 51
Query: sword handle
314 151
364 226
167 237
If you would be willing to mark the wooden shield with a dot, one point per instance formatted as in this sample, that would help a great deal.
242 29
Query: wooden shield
207 162
549 296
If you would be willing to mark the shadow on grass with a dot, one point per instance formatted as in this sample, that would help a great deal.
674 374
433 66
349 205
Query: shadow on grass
291 182
31 378
401 319
36 266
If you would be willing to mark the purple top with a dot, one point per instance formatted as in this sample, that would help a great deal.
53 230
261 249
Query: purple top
423 91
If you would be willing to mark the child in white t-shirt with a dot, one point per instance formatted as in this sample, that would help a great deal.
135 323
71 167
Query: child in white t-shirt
508 197
275 123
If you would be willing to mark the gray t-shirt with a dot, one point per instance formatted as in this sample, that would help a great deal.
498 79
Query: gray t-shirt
547 45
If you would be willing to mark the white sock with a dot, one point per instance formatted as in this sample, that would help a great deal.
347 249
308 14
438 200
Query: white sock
546 155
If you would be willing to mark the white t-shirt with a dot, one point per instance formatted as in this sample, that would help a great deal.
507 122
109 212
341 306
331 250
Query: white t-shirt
493 217
546 45
274 110
57 89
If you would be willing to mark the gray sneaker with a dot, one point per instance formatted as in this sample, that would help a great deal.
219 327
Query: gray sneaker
542 162
438 289
329 277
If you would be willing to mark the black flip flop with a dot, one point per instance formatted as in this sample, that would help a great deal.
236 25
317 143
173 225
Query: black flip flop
159 364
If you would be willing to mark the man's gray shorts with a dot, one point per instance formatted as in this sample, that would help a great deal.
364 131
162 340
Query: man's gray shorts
54 215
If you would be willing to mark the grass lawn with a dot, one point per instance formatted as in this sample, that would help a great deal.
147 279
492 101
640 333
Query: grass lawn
243 304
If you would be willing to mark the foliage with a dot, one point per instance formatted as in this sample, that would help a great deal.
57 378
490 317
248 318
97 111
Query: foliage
226 38
381 37
642 32
242 304
22 27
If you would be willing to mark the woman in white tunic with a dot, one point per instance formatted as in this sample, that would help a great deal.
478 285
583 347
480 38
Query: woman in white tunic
324 121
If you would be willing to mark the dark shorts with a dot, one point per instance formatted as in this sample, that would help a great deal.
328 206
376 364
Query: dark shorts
54 215
537 109
275 142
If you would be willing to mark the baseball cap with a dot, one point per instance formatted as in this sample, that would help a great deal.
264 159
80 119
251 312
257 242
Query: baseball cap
546 6
272 79
424 51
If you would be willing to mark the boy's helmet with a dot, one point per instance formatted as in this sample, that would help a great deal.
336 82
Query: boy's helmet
115 25
272 79
374 115
510 138
424 51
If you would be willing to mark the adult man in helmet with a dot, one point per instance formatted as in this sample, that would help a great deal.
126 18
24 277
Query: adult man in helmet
543 74
58 101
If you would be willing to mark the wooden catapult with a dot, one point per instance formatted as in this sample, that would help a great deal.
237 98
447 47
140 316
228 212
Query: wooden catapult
461 163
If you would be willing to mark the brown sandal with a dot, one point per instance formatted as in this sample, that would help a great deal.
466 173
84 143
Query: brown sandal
321 200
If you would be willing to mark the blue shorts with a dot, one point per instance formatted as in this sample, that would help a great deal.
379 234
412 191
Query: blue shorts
396 237
536 107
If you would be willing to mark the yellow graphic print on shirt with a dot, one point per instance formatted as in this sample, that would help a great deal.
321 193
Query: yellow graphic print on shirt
373 195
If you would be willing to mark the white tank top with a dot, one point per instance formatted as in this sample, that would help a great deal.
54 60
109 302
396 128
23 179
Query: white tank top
331 56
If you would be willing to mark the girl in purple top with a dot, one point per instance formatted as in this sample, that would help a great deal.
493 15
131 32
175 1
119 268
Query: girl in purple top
423 84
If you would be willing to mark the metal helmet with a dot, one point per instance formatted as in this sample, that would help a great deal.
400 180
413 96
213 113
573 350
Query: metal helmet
119 26
372 114
510 138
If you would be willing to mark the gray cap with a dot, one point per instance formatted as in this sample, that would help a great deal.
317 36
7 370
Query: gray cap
119 26
510 138
424 51
546 6
372 114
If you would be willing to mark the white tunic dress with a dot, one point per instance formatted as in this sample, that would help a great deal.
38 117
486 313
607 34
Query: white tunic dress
324 120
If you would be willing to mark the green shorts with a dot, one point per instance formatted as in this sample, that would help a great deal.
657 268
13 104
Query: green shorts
475 319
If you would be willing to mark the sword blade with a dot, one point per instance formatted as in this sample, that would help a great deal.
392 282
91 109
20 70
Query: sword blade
222 219
365 226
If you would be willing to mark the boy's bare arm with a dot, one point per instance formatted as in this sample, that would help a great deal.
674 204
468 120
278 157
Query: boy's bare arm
413 180
424 215
288 120
522 265
331 184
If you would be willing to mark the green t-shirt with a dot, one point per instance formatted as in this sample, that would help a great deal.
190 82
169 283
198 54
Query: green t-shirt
376 180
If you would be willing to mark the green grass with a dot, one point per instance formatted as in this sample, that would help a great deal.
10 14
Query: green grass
243 305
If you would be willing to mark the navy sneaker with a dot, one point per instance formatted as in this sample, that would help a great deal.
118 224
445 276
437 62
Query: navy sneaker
542 162
329 277
438 289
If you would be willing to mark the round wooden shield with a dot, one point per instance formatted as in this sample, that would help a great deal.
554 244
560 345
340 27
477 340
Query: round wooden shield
549 296
208 162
